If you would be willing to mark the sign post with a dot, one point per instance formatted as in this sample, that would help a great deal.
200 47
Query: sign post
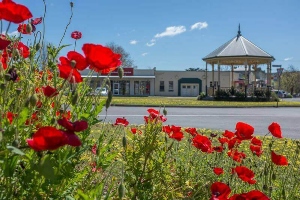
279 72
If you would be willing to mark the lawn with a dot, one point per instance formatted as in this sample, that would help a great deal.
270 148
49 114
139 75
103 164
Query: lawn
192 102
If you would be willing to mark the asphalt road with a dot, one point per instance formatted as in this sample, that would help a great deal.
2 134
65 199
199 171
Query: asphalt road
217 118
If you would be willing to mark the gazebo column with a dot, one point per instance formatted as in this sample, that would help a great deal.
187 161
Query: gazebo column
232 83
255 67
206 79
246 77
213 78
219 76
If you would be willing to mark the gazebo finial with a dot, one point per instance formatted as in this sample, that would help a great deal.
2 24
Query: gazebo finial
239 31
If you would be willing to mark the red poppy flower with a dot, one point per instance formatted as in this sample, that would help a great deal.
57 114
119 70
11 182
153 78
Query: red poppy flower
218 170
275 130
223 140
191 131
279 159
121 121
13 12
244 131
173 132
49 91
256 141
135 130
36 21
33 119
233 143
236 156
23 49
245 174
219 191
257 150
47 138
76 35
228 134
101 59
22 28
252 195
154 116
76 126
3 42
203 143
218 149
4 58
94 149
76 58
70 74
73 139
10 116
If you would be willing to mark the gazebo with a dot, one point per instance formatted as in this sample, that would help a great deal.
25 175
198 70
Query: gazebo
238 51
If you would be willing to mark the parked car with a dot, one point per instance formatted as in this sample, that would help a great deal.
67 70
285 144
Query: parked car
99 91
279 93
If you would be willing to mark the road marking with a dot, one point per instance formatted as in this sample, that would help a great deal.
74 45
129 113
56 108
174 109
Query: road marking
236 115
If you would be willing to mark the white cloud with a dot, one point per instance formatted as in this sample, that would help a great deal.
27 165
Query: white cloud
14 33
290 58
144 54
151 43
171 31
199 25
133 42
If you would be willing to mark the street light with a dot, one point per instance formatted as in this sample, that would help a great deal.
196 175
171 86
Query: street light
279 72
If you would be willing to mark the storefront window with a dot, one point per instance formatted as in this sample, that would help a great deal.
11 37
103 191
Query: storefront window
161 86
121 87
141 87
171 89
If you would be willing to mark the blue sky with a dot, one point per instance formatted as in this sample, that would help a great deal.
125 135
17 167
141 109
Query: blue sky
175 34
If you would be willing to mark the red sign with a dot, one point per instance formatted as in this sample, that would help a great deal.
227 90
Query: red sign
127 72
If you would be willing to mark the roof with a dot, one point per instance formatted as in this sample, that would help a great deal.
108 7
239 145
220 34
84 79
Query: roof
238 46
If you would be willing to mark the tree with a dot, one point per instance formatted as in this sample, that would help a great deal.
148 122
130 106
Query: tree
290 80
194 69
125 56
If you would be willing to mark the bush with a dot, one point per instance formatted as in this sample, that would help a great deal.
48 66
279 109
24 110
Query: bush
201 96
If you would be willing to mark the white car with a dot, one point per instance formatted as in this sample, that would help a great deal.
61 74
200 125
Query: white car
100 91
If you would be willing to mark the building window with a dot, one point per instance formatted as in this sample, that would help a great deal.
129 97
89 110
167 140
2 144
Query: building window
171 89
162 86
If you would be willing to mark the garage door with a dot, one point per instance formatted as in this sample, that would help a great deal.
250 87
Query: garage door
189 90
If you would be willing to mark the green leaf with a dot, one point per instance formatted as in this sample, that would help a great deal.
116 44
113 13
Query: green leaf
23 116
82 195
47 167
15 150
1 136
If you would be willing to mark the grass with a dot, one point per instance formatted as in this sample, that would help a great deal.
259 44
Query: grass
192 102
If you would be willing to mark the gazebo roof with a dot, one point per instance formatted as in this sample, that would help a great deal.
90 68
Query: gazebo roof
236 50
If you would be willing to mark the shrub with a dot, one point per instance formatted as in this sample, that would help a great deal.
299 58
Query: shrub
201 96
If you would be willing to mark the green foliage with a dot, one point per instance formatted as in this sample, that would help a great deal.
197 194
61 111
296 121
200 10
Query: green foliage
201 96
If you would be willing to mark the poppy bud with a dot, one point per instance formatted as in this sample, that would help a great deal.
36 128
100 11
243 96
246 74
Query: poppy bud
2 86
33 99
53 120
124 142
28 28
74 99
27 102
165 112
120 72
73 63
7 77
121 190
15 143
37 46
71 4
108 100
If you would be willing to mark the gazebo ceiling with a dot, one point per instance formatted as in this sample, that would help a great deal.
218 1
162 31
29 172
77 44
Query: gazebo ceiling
238 51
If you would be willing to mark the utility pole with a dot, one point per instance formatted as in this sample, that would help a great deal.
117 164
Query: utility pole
279 72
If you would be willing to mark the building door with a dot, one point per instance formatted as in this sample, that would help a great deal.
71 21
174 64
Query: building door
116 87
189 90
